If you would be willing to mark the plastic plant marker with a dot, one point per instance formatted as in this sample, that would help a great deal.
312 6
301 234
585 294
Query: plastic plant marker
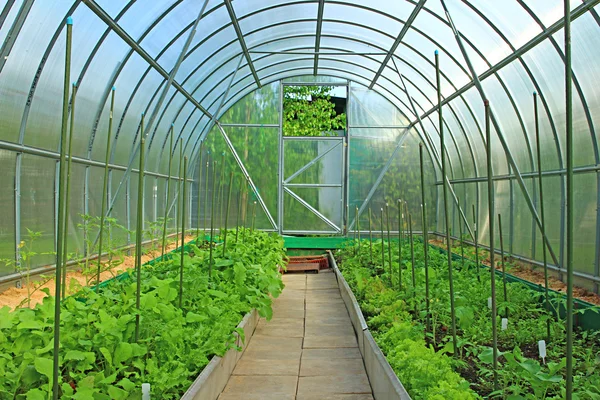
542 350
167 194
185 160
445 201
105 189
61 212
489 302
504 324
68 191
145 391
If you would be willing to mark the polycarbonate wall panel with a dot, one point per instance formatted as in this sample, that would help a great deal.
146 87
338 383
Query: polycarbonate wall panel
367 108
259 107
7 217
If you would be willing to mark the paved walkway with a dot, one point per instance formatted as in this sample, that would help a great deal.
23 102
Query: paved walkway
308 351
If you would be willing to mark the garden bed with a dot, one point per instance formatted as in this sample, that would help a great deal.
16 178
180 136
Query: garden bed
423 358
100 357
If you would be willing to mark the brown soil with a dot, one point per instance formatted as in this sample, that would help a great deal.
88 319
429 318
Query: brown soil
13 297
525 271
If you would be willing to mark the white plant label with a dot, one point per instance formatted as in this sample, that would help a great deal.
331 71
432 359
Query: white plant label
504 323
490 303
542 350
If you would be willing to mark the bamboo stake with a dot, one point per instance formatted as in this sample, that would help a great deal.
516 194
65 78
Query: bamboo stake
139 233
227 212
490 184
185 160
212 221
68 190
166 214
425 236
61 211
446 216
105 187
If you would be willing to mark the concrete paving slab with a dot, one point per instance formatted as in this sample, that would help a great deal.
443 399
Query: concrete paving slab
285 313
260 388
318 342
334 366
335 397
282 327
328 330
331 353
252 366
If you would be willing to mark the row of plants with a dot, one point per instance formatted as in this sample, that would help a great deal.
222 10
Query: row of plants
187 315
417 339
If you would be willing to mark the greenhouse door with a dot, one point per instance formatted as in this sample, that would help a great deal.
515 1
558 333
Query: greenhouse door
313 187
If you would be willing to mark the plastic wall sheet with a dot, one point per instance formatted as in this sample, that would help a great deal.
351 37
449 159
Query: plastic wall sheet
280 37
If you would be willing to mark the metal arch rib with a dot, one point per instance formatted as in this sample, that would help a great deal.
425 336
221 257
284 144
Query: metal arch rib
398 40
318 34
99 11
240 36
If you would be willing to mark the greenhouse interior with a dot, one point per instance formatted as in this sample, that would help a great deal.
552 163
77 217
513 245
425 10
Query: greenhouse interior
304 199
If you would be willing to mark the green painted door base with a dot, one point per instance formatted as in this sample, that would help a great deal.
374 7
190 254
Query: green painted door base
322 243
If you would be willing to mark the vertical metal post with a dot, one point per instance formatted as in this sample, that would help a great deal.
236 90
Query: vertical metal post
185 160
476 244
105 186
445 187
168 191
382 243
281 172
178 196
61 212
68 191
371 234
387 213
206 192
139 233
542 212
358 228
227 212
212 220
570 196
412 258
490 187
357 244
199 192
399 244
220 190
503 264
239 208
425 236
460 237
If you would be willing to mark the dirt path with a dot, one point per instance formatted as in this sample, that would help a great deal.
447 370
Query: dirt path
536 276
12 297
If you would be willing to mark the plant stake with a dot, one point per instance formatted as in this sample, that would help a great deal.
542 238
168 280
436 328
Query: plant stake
164 233
425 235
185 160
227 212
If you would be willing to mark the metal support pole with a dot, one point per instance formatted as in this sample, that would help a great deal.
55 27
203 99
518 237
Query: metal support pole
371 234
476 245
212 220
425 230
447 219
178 196
227 213
105 186
168 191
382 243
239 209
68 192
490 186
387 213
412 258
139 234
206 192
185 160
400 244
503 265
199 192
542 210
570 195
61 212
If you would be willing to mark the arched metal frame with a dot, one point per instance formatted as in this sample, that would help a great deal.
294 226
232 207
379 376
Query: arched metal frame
386 81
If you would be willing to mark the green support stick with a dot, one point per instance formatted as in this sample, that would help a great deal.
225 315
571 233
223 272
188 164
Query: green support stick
358 228
61 212
412 259
542 213
139 233
503 264
356 217
400 244
400 220
68 190
490 184
206 192
239 209
227 212
245 216
166 215
387 212
476 245
446 216
460 237
185 160
178 193
105 187
253 216
220 192
198 195
425 237
371 234
212 220
382 243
